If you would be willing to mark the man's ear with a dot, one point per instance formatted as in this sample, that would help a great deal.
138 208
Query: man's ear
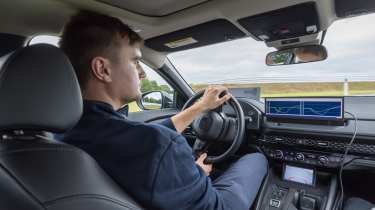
100 69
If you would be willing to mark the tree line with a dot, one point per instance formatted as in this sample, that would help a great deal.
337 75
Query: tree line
151 85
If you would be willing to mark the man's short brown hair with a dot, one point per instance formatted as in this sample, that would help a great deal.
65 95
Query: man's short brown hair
89 34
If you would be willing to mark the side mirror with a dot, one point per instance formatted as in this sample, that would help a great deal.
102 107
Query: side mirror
303 54
155 100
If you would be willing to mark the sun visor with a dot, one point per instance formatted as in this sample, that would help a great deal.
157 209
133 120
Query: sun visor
286 23
348 8
211 32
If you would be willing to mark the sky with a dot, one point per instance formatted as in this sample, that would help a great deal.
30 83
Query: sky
351 54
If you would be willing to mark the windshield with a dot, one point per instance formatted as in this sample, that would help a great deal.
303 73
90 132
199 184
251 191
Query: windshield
348 70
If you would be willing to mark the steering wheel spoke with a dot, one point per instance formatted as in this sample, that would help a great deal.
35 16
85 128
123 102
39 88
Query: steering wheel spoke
230 133
200 147
218 109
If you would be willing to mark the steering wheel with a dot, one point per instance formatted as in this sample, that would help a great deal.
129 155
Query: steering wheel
215 126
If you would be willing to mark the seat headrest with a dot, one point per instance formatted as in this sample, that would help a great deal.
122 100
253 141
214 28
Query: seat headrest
39 90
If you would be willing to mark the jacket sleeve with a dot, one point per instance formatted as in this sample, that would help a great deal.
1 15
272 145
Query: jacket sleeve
168 123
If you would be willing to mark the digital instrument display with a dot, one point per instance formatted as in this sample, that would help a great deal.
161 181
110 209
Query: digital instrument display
300 175
305 108
253 93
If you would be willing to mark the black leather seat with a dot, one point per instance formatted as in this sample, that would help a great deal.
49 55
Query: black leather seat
39 93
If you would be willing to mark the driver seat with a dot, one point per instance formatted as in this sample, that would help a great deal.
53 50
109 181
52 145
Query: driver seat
39 93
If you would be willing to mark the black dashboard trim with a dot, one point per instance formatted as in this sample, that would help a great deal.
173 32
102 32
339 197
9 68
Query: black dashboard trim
326 134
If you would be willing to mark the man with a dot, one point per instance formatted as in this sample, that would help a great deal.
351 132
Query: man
151 162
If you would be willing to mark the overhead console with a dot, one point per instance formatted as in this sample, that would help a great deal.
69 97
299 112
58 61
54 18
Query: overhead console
286 23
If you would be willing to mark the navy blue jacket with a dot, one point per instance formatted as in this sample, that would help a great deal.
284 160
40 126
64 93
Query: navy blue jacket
150 161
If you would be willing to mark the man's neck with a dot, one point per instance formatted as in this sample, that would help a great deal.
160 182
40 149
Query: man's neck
87 95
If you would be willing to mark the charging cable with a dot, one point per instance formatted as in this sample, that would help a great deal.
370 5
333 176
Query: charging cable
348 147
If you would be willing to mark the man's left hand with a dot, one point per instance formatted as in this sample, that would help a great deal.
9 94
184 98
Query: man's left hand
207 168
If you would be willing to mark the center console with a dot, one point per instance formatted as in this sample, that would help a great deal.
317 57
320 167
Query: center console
291 187
317 150
305 140
300 149
302 166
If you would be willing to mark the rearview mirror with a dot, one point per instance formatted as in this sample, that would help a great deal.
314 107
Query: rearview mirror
303 54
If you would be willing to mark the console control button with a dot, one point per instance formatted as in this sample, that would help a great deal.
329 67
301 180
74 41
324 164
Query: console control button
279 154
300 156
275 203
323 160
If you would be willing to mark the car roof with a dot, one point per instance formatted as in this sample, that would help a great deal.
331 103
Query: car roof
149 18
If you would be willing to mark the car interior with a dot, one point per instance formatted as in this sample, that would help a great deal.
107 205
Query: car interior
321 150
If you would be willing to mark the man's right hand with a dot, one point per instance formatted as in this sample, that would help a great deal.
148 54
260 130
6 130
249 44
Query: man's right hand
212 98
207 168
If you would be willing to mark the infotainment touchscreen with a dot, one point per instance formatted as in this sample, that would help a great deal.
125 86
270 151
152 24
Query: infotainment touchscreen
300 175
305 108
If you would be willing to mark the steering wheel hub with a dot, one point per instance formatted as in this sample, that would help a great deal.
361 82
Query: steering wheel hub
207 126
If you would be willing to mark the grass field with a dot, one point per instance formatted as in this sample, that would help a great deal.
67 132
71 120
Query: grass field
305 89
133 107
296 89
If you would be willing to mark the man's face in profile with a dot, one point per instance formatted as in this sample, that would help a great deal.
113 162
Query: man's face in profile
127 72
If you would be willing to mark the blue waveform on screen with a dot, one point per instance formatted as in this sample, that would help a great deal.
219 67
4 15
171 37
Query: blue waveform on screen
305 108
325 109
285 107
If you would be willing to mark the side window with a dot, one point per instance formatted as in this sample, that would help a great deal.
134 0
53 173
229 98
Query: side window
156 93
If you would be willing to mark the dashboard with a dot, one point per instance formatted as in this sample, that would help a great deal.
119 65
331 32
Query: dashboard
311 131
252 110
